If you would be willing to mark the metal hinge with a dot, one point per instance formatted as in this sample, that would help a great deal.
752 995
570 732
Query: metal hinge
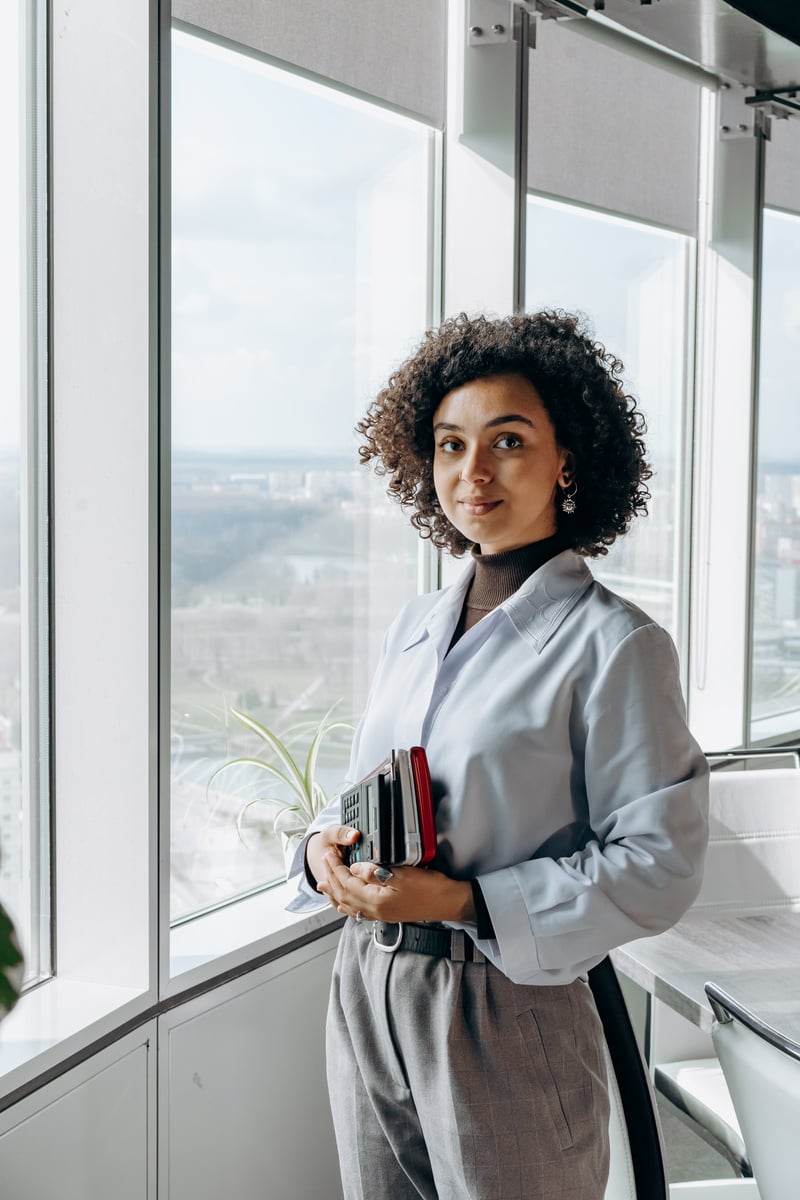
493 23
736 118
742 115
489 22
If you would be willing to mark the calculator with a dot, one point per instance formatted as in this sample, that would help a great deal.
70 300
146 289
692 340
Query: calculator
392 808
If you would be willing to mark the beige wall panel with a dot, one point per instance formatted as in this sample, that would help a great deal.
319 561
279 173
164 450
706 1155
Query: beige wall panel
782 188
393 51
612 131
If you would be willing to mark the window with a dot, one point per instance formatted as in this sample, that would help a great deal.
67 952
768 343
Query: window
24 843
776 597
632 281
301 226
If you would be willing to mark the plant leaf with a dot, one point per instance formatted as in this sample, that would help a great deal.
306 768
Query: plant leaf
325 727
276 745
240 818
260 765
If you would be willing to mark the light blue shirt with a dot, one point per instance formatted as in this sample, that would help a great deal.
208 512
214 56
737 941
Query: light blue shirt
562 705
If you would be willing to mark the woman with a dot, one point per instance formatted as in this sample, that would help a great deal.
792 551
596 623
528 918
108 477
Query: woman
465 1060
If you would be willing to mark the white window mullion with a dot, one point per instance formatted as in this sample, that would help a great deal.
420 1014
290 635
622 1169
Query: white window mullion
481 201
102 305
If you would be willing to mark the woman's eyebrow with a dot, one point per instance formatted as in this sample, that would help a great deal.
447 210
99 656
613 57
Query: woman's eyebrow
508 418
489 424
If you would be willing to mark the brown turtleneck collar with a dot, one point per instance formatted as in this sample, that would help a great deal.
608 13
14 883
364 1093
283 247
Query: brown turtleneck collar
498 576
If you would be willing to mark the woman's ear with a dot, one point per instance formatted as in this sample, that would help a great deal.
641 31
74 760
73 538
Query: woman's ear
567 472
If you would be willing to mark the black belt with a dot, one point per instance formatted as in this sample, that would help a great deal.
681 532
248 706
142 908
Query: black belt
426 939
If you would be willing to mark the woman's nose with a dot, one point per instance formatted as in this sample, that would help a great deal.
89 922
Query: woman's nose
476 467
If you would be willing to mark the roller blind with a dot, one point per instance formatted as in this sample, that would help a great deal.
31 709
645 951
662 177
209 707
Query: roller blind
611 131
782 185
393 51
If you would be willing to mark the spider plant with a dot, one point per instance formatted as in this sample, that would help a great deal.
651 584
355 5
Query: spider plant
11 964
294 770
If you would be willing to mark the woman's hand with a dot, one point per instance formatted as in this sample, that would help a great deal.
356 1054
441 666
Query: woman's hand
410 894
333 839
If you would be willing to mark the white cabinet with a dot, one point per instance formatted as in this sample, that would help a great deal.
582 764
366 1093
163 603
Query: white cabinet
88 1135
243 1106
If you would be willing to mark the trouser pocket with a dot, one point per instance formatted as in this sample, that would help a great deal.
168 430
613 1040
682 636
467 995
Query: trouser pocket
544 1077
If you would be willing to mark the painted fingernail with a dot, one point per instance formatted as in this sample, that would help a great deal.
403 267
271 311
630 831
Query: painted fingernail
383 874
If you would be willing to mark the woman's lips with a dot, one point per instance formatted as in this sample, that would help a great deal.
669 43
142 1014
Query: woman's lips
479 508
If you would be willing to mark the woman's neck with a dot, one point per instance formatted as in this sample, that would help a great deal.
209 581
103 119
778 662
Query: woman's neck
498 576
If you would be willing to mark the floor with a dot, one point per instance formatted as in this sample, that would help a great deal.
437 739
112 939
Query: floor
688 1156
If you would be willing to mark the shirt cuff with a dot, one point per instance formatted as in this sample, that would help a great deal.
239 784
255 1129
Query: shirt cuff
485 928
310 877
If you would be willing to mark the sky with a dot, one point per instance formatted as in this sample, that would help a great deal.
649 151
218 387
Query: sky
300 219
301 223
284 294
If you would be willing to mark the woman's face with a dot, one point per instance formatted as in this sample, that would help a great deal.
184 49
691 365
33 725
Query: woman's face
496 462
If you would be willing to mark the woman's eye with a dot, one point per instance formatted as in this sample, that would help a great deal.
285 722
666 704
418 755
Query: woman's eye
509 441
449 445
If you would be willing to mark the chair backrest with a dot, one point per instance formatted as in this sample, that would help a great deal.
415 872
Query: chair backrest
621 1175
637 1162
753 861
762 1070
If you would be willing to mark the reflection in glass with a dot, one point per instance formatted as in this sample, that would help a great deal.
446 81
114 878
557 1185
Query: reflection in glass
776 600
300 274
631 280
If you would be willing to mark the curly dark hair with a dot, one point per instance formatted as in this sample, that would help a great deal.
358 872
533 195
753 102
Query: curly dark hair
581 388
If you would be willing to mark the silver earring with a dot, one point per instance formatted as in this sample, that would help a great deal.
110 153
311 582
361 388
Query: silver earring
568 498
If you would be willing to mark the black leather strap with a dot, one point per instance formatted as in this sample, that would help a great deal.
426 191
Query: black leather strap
426 939
635 1089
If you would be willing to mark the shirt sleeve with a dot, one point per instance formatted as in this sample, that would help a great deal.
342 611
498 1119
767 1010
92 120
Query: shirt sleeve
646 784
308 899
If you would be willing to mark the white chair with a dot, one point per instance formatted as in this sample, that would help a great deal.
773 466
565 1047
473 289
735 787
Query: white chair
752 866
753 860
762 1068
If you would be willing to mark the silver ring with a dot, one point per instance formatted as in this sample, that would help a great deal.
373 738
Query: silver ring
358 918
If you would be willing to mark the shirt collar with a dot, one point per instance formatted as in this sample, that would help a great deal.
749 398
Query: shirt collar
536 610
547 596
446 609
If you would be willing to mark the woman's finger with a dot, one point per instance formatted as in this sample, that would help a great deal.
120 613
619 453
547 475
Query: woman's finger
371 873
344 835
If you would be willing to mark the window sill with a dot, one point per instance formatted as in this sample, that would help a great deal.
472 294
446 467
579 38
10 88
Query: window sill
228 938
783 726
61 1019
57 1020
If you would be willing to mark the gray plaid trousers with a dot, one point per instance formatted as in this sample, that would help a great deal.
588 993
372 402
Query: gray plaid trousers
449 1082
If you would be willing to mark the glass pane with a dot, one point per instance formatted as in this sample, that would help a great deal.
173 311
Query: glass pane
23 580
300 274
776 612
631 280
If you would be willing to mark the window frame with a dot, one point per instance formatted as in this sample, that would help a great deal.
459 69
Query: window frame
35 499
225 935
779 728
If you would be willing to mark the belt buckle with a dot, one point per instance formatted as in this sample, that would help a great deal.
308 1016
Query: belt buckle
380 945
